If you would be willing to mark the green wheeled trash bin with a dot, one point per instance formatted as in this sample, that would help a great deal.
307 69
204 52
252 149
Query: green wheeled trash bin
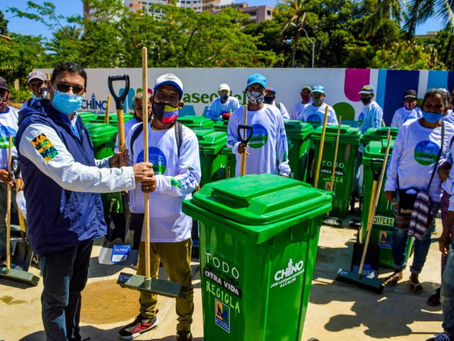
345 169
87 116
230 167
377 134
221 125
113 119
258 245
382 228
103 137
196 122
212 162
298 138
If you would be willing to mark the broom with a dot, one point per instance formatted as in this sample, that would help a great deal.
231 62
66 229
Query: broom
138 282
7 272
320 152
358 278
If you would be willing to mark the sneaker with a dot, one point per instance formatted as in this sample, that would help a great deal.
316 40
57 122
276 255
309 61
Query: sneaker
439 337
138 326
184 336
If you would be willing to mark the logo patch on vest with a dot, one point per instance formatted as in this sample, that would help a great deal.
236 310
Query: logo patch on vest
44 147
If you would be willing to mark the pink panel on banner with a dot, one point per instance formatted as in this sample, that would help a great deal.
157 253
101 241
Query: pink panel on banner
354 81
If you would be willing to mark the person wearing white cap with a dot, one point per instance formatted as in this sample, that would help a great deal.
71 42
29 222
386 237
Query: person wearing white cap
37 83
267 149
315 113
221 107
174 152
409 111
305 100
371 115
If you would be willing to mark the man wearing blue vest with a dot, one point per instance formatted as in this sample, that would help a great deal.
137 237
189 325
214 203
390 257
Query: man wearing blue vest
64 211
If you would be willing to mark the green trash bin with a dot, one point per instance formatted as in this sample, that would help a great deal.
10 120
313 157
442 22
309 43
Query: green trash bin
113 120
345 169
382 228
377 134
103 137
258 245
230 162
212 162
87 116
221 125
298 138
196 122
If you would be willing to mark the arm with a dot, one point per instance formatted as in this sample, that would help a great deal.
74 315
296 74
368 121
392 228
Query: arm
213 111
282 148
44 148
393 165
284 112
443 170
332 118
188 177
395 120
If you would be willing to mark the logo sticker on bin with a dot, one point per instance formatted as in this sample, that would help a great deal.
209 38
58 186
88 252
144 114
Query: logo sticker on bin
222 315
385 239
288 275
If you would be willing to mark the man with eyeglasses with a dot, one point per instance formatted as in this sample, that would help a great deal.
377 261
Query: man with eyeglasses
64 210
8 127
37 83
174 152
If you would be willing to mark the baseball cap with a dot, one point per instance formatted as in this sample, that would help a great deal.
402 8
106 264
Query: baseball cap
224 86
306 87
256 78
36 75
411 93
3 83
320 89
367 90
270 89
170 79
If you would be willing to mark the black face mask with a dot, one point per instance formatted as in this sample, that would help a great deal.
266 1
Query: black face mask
366 101
268 100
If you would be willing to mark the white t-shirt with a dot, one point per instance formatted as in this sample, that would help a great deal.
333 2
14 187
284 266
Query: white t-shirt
8 126
316 115
449 116
414 154
217 108
282 109
298 108
268 150
177 177
402 114
128 127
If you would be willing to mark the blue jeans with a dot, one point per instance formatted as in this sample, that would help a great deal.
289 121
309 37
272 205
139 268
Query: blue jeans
421 247
447 293
64 277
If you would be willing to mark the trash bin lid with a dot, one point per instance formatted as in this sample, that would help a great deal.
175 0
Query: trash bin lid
377 149
113 119
213 141
87 116
378 134
101 132
259 199
296 128
196 121
349 135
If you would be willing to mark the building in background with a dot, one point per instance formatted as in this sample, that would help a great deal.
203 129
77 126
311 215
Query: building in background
257 13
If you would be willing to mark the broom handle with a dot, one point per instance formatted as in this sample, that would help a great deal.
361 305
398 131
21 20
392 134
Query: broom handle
243 155
374 200
333 172
146 159
19 213
8 206
320 153
106 115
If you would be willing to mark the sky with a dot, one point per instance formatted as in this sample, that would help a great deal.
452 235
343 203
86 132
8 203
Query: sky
74 7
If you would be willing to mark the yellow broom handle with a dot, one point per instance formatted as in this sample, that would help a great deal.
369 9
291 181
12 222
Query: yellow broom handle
106 114
320 152
8 206
243 155
333 172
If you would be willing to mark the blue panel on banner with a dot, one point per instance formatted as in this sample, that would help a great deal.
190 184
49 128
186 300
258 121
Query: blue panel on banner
397 83
450 80
437 79
381 87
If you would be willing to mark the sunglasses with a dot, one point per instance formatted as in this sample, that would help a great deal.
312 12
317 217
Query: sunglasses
65 87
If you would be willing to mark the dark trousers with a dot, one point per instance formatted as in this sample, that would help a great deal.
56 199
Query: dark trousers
64 277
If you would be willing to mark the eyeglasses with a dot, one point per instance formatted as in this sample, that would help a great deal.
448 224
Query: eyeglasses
172 99
65 87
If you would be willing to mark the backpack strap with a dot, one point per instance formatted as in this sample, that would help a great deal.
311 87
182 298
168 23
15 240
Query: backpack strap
178 135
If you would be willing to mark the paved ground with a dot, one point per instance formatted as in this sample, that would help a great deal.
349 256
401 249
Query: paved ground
337 311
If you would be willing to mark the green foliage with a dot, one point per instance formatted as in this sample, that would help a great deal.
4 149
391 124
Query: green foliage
20 95
3 24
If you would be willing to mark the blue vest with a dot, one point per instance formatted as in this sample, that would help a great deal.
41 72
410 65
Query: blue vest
58 219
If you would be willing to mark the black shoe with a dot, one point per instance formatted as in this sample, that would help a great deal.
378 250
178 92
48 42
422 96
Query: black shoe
138 326
184 335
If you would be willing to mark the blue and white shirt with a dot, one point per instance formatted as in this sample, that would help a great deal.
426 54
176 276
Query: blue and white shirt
8 127
217 108
402 115
371 116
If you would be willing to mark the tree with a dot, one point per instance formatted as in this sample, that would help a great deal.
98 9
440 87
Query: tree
3 24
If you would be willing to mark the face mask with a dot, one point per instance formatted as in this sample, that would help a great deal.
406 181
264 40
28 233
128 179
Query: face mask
255 97
268 100
4 100
317 101
165 112
366 101
410 105
306 98
224 97
431 117
66 103
43 94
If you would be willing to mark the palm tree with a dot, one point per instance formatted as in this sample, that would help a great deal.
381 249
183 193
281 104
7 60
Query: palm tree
296 14
384 10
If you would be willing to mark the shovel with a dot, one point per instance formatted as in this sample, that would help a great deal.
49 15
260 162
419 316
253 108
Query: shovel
244 139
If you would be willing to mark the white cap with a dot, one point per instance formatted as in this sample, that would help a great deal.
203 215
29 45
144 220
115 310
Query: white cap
170 79
224 86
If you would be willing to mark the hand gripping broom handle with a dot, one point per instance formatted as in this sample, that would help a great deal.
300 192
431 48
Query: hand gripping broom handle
376 198
8 206
320 152
146 159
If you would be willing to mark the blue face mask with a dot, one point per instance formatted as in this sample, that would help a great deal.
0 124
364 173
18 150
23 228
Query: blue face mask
431 117
43 95
66 103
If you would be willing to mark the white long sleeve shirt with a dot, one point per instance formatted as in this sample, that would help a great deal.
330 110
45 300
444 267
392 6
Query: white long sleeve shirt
217 108
8 127
177 177
371 115
316 115
268 149
402 114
